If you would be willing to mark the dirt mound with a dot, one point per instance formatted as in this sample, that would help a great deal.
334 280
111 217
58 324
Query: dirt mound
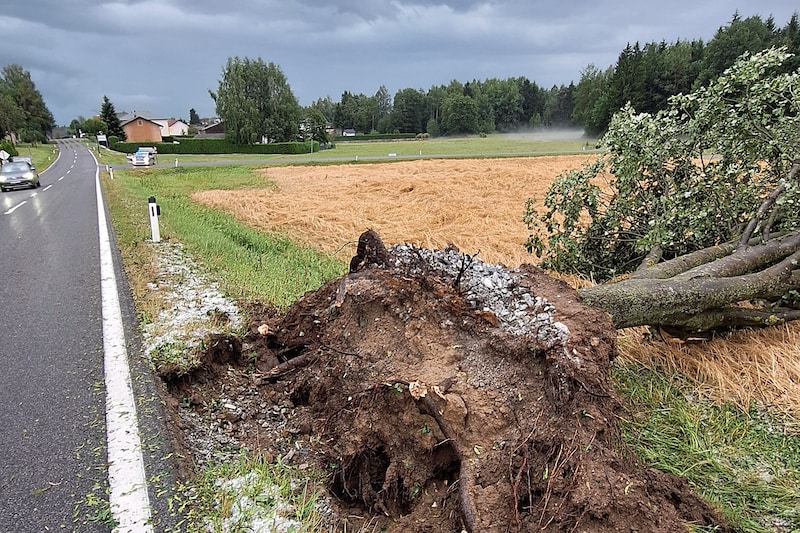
441 393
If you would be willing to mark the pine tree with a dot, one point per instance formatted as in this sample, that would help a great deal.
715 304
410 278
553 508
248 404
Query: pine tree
109 116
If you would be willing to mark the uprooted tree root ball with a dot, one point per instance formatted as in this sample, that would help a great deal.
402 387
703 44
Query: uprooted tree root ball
441 393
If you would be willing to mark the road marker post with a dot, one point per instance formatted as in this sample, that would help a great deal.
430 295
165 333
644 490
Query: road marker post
155 212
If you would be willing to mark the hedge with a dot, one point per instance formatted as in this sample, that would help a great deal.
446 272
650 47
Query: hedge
218 146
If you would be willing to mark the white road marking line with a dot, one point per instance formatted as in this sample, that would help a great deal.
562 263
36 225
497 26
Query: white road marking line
129 501
47 187
61 178
23 202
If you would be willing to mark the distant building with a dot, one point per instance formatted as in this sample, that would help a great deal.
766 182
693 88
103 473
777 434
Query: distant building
177 127
213 131
141 129
161 120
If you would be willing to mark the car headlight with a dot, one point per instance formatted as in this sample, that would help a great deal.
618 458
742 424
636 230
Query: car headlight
3 179
28 175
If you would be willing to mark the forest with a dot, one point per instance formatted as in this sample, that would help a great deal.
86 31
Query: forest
644 75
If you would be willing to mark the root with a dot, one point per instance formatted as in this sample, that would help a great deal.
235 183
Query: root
292 364
465 475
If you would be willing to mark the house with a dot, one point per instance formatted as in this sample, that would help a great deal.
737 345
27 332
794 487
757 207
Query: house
213 131
141 129
149 115
349 133
177 127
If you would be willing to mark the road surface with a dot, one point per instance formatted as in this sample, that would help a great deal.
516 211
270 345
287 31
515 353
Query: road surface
54 451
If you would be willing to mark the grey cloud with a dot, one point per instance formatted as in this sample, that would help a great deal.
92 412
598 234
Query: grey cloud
85 49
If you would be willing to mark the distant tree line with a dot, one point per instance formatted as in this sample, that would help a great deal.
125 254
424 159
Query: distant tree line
457 108
256 101
646 76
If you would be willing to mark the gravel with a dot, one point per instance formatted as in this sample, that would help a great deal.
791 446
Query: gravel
487 287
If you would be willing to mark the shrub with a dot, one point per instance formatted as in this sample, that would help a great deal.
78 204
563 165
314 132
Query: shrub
9 147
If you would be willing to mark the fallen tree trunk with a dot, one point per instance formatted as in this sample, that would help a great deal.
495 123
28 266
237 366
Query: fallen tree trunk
707 290
704 291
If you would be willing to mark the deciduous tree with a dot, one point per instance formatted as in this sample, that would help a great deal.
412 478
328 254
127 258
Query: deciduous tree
409 114
255 101
459 114
93 126
701 201
314 126
33 121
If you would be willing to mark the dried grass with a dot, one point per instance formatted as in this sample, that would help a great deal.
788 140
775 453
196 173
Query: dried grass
744 367
478 206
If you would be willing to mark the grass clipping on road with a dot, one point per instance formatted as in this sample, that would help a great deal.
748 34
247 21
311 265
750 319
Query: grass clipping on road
478 205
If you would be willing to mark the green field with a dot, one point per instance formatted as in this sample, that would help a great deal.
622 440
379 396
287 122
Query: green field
42 154
496 145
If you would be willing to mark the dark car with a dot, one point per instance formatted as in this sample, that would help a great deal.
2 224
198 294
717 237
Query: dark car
18 174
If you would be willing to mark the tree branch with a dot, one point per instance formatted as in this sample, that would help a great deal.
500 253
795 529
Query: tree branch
768 203
735 317
652 258
681 264
748 259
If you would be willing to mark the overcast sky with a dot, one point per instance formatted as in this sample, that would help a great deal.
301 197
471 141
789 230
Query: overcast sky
165 55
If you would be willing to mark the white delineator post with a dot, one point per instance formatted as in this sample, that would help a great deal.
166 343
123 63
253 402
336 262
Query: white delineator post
154 212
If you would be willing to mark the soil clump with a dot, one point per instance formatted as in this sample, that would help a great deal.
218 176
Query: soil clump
440 393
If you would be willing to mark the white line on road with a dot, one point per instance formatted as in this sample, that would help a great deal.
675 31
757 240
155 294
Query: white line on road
23 202
127 481
47 187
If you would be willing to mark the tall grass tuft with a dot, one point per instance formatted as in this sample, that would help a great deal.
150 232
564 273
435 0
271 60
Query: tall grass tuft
742 461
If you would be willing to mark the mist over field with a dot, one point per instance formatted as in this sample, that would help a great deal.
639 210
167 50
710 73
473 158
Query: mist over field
549 134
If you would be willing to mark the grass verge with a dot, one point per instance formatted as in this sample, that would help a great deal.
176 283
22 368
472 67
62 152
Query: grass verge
42 155
250 494
741 461
248 263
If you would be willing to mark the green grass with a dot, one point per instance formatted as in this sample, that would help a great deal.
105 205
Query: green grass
248 263
236 495
495 145
108 157
740 461
43 154
491 145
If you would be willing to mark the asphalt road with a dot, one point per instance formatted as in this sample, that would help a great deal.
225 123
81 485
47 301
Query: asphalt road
53 462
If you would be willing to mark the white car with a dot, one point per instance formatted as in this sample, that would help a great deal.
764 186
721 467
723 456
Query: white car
144 157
